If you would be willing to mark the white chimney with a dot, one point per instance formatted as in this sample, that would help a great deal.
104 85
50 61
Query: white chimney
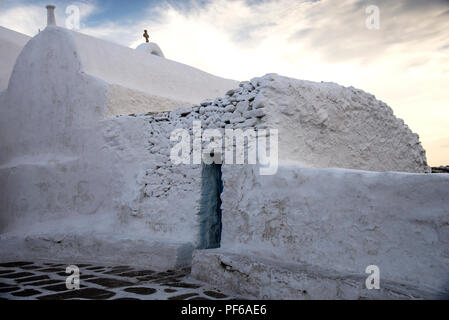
51 20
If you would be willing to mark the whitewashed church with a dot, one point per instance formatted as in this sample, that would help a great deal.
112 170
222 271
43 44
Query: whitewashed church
86 175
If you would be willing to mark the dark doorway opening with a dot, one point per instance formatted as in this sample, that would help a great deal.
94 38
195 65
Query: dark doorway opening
210 208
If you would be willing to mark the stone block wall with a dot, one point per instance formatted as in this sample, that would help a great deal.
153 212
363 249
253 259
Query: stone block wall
166 196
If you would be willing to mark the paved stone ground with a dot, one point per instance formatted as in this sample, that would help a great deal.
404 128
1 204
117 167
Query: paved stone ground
46 281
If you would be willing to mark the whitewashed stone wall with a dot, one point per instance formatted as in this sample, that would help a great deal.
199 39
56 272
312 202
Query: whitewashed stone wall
320 125
335 220
324 125
166 197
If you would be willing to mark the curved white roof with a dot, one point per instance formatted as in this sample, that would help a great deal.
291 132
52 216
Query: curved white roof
148 73
152 48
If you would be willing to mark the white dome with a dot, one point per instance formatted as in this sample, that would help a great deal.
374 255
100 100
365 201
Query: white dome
152 48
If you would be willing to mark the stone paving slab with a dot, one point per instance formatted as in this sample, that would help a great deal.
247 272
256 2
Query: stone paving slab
47 281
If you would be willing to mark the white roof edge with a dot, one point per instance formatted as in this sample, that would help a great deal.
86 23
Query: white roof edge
147 73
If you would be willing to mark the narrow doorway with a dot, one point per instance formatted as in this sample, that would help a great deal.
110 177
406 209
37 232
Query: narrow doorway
210 207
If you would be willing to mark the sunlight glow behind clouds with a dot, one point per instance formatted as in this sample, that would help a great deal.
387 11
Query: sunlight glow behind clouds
404 63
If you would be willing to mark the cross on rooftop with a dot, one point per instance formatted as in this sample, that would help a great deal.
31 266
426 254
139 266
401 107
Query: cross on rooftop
145 35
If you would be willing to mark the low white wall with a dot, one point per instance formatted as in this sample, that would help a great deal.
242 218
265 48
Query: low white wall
342 220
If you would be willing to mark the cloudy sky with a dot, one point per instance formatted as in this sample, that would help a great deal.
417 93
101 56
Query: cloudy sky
404 63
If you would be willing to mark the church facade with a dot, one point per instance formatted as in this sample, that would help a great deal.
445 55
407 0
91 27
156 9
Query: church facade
86 172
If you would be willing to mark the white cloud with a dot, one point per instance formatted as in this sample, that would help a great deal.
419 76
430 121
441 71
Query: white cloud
24 19
29 19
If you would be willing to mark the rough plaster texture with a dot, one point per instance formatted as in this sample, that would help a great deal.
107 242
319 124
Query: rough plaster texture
342 220
320 125
11 43
261 278
325 125
165 195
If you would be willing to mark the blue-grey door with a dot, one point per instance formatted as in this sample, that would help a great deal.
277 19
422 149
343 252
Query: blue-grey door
210 208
